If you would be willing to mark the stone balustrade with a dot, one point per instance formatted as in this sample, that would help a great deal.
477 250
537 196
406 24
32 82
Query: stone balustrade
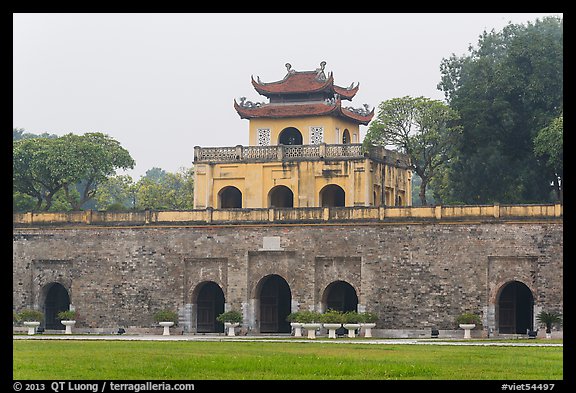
294 152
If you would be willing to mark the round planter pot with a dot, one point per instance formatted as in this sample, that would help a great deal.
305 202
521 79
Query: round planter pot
467 327
351 328
68 325
332 328
368 328
166 326
230 326
31 327
311 328
297 328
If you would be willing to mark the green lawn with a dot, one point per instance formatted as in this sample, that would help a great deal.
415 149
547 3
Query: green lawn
196 360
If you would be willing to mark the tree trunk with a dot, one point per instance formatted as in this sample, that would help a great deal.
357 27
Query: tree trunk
422 193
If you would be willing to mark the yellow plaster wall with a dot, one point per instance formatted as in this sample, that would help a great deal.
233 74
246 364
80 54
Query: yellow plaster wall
303 124
305 178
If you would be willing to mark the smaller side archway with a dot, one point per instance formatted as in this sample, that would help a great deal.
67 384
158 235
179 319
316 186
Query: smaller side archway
340 296
230 197
209 304
56 299
281 196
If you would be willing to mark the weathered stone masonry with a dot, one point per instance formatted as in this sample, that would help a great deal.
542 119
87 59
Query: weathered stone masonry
414 275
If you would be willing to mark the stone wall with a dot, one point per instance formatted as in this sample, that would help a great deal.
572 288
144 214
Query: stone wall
414 275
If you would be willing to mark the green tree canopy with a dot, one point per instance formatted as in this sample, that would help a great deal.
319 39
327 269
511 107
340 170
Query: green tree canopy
44 166
549 145
422 128
506 89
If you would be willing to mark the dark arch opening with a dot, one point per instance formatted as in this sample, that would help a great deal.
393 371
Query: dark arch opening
290 136
275 305
57 300
515 309
209 304
332 195
230 198
346 137
281 196
341 296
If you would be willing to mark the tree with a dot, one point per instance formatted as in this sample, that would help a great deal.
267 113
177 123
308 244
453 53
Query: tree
38 169
20 133
505 90
116 193
44 166
549 145
422 128
164 190
92 157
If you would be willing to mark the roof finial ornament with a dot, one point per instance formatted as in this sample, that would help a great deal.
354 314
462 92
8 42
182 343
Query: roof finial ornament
289 68
320 72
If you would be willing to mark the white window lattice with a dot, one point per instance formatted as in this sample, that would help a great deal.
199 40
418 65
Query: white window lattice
263 137
316 135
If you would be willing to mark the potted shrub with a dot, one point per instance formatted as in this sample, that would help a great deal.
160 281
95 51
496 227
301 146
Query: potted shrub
332 320
295 321
351 322
368 322
231 319
166 319
310 321
468 321
31 319
68 319
549 318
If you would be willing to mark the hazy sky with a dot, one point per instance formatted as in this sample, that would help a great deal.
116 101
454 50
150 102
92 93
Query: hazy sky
161 84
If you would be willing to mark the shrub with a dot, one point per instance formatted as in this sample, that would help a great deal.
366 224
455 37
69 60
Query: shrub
232 316
166 316
549 319
468 318
368 317
332 316
351 317
66 315
31 316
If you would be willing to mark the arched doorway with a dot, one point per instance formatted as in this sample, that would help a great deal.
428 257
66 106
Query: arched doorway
57 299
209 304
332 195
346 137
275 304
290 136
515 309
340 296
280 196
230 198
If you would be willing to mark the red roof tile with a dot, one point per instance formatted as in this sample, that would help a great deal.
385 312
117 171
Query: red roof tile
304 109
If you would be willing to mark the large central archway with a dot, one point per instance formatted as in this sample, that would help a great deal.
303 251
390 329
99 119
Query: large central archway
57 300
515 309
275 304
